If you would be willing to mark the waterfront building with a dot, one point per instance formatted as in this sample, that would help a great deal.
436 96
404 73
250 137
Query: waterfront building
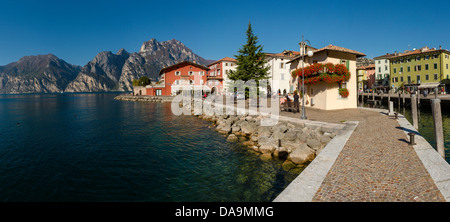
178 77
323 95
280 71
217 78
366 77
383 71
421 69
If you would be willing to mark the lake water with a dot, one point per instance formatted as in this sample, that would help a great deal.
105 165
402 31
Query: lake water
90 147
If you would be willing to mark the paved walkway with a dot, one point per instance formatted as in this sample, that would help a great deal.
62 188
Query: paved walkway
375 164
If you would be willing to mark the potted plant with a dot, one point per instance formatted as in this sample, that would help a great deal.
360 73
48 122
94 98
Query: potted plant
343 92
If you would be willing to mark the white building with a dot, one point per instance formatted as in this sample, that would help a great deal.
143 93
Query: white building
382 71
280 72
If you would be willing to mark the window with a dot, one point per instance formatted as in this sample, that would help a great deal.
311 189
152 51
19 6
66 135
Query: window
446 66
395 70
435 65
435 76
226 64
177 82
417 68
426 66
409 68
409 79
418 58
427 57
408 59
427 77
281 65
379 61
379 69
191 73
435 56
191 82
418 78
177 73
202 73
401 78
401 69
385 68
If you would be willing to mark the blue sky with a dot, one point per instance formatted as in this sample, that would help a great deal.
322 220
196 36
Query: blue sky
77 30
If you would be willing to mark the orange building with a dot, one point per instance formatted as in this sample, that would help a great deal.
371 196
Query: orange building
175 78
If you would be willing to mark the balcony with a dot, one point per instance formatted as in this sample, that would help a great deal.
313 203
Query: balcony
214 77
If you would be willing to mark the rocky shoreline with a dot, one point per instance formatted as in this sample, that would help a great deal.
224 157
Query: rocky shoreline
295 143
155 99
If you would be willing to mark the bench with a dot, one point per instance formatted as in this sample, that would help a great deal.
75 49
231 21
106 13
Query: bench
289 107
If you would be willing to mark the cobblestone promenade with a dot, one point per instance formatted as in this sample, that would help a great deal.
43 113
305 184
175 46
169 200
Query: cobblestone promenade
376 164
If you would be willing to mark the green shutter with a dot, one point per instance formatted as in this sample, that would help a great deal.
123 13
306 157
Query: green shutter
347 63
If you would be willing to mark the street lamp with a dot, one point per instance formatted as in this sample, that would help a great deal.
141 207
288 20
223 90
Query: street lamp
310 54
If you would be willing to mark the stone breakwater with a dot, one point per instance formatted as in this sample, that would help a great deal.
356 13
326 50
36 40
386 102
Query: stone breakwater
295 142
155 99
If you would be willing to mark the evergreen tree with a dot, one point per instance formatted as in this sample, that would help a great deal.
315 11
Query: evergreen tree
250 62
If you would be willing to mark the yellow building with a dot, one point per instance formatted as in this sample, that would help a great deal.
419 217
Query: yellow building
420 69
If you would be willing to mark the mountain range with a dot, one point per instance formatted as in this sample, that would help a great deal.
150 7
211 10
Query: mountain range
106 72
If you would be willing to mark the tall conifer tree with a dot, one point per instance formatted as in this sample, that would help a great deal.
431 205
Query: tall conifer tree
250 60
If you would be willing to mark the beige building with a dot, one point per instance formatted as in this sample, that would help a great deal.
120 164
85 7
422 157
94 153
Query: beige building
324 95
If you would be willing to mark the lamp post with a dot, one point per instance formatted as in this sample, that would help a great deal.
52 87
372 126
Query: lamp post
310 53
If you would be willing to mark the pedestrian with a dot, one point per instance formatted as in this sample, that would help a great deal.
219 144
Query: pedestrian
296 102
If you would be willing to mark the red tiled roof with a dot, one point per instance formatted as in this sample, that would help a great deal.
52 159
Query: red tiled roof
228 59
183 63
340 49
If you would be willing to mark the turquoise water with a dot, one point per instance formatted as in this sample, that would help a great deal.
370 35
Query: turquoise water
90 147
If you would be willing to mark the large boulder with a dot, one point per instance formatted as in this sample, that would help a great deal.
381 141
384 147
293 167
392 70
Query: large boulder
267 148
302 154
315 144
232 138
290 135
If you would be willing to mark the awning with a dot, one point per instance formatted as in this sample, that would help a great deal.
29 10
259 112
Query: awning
429 85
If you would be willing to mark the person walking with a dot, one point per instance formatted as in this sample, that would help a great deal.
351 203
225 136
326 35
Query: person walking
296 101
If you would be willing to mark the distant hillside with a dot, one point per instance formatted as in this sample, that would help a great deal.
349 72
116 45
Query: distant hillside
106 72
364 61
37 74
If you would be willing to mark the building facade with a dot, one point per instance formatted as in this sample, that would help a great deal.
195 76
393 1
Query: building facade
217 78
326 95
383 72
421 68
366 77
280 71
185 75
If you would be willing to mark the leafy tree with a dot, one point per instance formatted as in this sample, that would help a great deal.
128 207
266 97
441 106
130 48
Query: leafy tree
143 81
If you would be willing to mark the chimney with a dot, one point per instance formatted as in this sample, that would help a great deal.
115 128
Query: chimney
440 47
